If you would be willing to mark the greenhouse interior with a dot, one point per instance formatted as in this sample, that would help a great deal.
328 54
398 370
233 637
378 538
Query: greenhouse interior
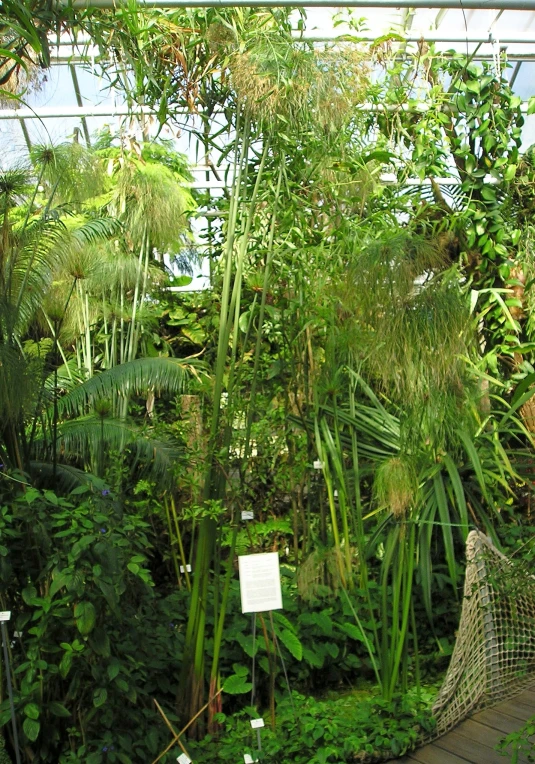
267 381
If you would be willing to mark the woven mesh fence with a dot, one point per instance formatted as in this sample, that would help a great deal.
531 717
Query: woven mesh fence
494 654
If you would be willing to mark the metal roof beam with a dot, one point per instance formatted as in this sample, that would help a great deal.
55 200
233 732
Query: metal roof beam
431 36
80 103
506 5
72 112
515 74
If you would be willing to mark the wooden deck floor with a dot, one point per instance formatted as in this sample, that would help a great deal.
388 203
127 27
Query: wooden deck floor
473 740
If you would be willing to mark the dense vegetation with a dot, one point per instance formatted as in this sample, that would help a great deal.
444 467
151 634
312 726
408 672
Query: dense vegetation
359 376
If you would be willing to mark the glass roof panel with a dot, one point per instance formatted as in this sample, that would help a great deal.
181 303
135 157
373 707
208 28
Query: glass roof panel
528 132
454 24
525 81
56 89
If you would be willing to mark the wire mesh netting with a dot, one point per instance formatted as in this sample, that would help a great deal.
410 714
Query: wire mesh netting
494 654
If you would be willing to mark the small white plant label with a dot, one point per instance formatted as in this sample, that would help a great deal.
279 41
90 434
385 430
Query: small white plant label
257 723
183 759
336 494
247 514
260 582
5 615
318 464
188 568
248 759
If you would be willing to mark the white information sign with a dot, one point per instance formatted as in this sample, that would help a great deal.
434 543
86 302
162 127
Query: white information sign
248 759
183 759
260 582
247 514
256 723
5 615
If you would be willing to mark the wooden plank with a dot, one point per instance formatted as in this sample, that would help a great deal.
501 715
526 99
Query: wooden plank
523 698
472 751
527 696
479 733
519 710
497 720
473 741
431 754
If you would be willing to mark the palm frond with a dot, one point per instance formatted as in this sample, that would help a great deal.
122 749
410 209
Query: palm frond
169 375
46 245
67 476
96 229
84 439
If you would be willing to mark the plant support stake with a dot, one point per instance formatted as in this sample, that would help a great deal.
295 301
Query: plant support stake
9 685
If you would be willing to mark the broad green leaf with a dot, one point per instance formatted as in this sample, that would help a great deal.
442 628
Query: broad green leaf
29 593
314 657
94 758
60 579
31 729
113 669
85 616
65 664
510 173
100 642
31 710
281 619
291 643
488 194
240 670
236 685
100 696
353 631
58 709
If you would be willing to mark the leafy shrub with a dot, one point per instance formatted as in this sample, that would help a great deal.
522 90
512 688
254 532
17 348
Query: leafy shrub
519 742
310 731
96 641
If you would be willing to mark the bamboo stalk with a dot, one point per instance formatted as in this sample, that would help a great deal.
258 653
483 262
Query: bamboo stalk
180 545
171 545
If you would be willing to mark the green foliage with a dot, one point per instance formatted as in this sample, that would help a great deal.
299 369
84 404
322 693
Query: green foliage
137 376
377 330
310 731
93 632
4 758
58 262
69 172
519 743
